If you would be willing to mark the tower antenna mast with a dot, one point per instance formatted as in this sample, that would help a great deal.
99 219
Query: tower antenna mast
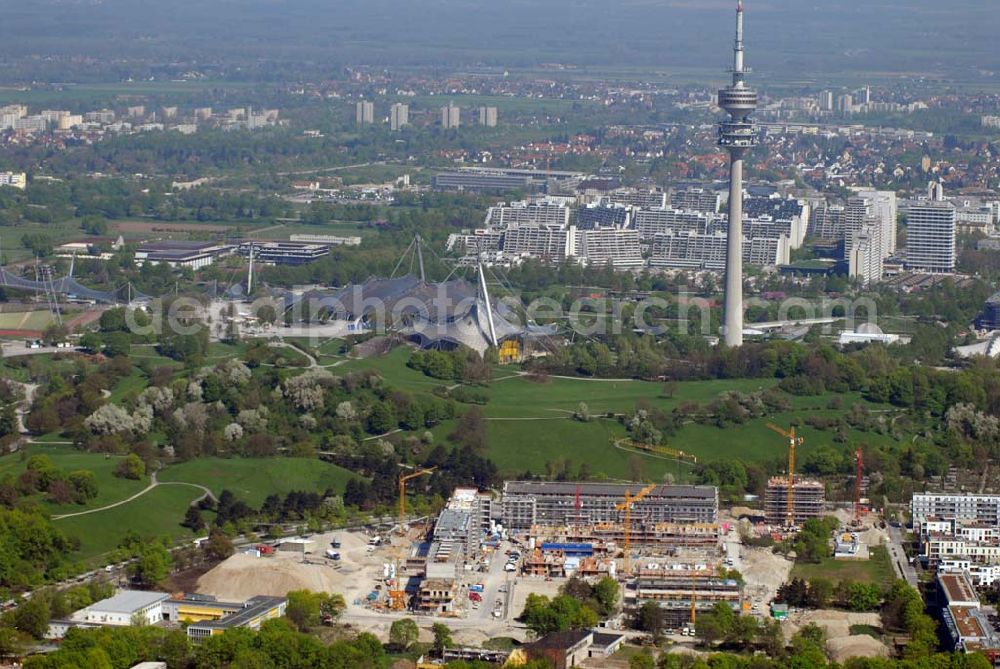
737 134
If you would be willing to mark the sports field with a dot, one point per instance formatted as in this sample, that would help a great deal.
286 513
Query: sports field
35 321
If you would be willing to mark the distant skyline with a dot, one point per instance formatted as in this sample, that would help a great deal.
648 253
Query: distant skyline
792 38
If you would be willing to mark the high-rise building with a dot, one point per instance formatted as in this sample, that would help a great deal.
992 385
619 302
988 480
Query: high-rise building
488 117
845 103
930 245
884 208
451 116
826 101
364 112
399 115
736 135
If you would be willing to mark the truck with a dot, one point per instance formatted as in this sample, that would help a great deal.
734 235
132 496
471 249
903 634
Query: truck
332 554
476 587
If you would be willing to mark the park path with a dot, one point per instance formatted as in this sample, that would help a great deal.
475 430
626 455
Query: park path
153 483
24 406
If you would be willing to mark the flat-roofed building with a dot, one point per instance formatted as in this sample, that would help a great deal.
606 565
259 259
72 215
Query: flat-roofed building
930 241
126 607
528 503
252 614
193 255
955 506
285 253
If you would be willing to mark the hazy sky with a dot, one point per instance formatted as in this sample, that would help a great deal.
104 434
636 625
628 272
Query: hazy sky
784 37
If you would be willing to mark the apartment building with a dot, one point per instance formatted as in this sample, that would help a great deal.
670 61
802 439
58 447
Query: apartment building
527 503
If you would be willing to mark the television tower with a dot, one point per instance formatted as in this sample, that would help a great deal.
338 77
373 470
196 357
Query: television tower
736 135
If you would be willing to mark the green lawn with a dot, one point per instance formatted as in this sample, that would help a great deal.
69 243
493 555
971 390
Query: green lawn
157 513
68 459
547 432
253 479
876 570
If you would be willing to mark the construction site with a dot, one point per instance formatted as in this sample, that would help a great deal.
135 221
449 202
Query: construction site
479 558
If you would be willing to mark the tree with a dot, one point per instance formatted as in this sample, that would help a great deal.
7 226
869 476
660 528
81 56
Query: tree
32 617
84 485
193 519
403 633
219 546
55 333
442 637
303 609
642 660
13 644
650 618
153 565
606 594
863 596
130 467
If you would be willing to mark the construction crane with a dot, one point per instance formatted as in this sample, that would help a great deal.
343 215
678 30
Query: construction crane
626 506
793 441
397 594
858 476
403 478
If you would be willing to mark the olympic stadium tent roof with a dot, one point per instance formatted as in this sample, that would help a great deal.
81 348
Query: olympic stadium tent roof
431 313
66 285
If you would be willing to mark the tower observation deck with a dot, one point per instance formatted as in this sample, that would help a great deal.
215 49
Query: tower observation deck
736 135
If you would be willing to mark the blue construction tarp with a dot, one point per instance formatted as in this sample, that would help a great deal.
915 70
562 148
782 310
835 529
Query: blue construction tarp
569 549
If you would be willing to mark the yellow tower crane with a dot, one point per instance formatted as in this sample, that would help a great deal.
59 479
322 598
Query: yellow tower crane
793 441
626 506
397 595
403 478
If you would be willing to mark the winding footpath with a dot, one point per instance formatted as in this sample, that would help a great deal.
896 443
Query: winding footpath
153 483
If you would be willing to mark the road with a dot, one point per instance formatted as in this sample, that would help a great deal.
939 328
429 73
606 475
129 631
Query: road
900 563
16 349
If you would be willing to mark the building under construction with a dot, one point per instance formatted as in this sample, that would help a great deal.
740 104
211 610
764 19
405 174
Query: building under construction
808 500
683 591
660 537
550 503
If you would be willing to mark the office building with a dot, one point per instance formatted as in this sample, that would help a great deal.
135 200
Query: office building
193 255
488 117
482 182
208 617
126 607
364 112
451 116
329 240
528 503
399 116
930 245
284 253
